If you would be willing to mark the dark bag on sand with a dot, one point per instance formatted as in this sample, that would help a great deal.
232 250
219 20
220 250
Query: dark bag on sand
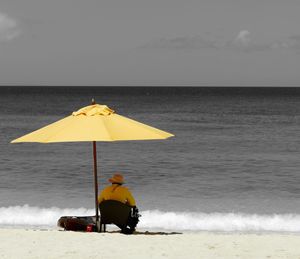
76 223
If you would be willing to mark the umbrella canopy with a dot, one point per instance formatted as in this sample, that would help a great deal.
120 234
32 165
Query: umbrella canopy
94 123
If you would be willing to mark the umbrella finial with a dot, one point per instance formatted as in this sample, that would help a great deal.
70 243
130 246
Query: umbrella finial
93 101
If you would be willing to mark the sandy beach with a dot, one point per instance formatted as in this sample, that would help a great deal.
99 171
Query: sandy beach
21 243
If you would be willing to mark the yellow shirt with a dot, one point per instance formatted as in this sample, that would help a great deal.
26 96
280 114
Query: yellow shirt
117 193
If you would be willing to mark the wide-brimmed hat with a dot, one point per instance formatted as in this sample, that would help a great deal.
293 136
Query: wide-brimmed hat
117 178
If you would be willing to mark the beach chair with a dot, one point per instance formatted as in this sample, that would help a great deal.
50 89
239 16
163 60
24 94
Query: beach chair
114 212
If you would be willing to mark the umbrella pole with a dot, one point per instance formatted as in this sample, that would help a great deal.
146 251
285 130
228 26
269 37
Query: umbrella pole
96 185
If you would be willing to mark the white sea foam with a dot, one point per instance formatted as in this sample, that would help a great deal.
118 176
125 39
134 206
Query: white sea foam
35 216
220 221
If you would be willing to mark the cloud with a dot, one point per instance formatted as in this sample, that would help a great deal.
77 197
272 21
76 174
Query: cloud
292 42
8 28
242 42
295 41
243 39
183 42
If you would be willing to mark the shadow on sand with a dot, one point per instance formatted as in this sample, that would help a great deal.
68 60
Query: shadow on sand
148 233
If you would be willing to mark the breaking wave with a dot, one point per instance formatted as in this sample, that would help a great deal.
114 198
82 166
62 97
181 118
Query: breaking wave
35 216
154 219
220 221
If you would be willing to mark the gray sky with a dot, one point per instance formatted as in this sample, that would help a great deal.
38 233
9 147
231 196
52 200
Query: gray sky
150 42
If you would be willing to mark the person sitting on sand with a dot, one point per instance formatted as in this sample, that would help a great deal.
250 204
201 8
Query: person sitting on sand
120 193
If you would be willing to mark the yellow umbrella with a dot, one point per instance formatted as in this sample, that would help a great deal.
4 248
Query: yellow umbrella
94 123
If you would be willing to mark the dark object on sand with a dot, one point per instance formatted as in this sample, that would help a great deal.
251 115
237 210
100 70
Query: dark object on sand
112 212
77 223
120 214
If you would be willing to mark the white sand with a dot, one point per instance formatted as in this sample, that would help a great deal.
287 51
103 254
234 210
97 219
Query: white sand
18 243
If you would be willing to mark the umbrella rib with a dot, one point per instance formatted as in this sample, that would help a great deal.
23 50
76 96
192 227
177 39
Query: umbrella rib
107 131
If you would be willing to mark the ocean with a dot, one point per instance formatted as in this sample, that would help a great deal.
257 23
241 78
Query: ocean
233 164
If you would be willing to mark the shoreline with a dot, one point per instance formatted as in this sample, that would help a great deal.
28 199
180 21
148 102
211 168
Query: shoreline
115 229
54 243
